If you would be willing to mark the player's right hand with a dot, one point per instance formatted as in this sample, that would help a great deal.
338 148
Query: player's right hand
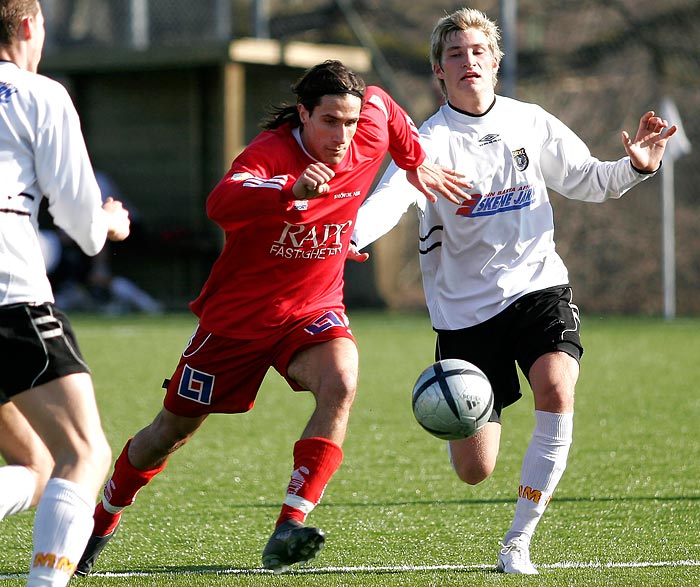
313 182
432 179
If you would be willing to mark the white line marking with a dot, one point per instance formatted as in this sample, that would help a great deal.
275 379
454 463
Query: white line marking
371 569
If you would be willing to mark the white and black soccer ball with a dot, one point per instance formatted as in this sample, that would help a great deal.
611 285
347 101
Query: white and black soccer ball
452 399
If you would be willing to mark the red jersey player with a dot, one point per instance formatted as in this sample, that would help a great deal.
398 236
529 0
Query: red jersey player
275 295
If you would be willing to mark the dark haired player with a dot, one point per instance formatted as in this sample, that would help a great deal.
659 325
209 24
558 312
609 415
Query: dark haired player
275 295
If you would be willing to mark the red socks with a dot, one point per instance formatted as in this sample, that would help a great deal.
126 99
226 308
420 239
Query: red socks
120 491
315 462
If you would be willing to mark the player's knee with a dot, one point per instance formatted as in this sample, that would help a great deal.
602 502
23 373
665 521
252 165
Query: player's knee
473 473
91 456
100 456
557 398
338 394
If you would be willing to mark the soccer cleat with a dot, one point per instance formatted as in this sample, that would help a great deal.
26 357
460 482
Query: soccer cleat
514 559
93 549
291 543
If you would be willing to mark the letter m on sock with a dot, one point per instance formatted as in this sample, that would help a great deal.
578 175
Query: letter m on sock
45 559
528 492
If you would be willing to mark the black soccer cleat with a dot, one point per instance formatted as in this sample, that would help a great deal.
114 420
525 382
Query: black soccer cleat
93 549
291 543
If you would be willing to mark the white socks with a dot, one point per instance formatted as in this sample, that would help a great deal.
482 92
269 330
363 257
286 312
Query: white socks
17 485
543 467
62 527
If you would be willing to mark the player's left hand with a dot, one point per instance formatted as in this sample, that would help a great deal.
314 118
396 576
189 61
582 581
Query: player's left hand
647 148
355 255
118 221
431 178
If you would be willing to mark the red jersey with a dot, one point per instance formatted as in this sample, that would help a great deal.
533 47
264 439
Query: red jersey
283 258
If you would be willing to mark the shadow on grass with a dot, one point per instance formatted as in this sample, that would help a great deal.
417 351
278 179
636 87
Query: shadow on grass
432 502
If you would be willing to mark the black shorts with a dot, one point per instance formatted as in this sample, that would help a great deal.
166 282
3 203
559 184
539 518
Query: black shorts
37 345
537 323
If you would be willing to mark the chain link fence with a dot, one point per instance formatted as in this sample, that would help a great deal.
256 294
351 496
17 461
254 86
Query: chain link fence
135 24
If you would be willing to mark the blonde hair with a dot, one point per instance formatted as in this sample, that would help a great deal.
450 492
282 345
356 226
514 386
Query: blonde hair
462 20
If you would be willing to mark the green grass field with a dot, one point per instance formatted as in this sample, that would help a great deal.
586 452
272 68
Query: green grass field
627 511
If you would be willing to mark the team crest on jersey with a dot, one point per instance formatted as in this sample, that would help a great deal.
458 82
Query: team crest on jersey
520 159
6 92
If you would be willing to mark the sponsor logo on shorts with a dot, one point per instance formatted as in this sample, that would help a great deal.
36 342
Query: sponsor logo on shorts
196 386
328 320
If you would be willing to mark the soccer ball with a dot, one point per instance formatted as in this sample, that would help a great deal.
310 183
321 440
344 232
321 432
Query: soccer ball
452 399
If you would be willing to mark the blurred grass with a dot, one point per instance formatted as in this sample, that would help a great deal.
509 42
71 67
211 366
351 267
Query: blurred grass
630 495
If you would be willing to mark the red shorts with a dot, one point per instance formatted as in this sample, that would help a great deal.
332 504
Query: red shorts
217 374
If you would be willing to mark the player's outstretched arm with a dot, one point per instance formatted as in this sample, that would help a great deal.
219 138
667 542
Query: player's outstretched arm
647 148
430 179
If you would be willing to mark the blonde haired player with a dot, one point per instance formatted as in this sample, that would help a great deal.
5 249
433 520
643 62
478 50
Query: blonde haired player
496 289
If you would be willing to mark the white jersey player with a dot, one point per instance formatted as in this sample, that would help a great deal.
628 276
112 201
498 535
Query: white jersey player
496 289
49 424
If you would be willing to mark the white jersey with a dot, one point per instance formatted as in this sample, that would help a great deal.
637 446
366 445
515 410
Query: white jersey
42 154
479 257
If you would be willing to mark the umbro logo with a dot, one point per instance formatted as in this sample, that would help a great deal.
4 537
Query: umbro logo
489 138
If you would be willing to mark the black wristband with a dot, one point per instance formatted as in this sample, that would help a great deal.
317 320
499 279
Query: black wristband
646 172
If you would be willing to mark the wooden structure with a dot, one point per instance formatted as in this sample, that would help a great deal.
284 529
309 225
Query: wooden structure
165 124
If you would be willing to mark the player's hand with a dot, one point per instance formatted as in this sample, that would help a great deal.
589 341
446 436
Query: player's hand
355 255
431 178
313 182
118 222
647 148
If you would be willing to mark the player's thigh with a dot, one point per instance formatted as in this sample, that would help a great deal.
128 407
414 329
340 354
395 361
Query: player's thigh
64 414
330 366
474 458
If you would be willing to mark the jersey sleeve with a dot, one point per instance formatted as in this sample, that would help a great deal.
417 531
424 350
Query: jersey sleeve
570 169
384 208
64 172
259 178
404 142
